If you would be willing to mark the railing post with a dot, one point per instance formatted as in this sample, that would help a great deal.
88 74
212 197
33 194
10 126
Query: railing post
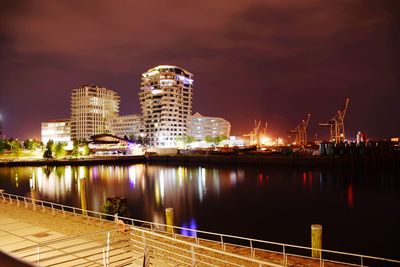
1 192
9 196
26 204
222 243
63 211
193 256
320 258
144 238
33 204
251 249
74 211
17 201
362 261
52 209
284 255
108 249
42 207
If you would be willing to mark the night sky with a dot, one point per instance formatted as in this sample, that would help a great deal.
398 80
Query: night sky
273 61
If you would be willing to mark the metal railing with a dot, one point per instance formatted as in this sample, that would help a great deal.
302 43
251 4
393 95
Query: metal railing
250 247
99 248
189 253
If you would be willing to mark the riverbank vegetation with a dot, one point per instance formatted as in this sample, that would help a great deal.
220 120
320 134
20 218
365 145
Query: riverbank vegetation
34 149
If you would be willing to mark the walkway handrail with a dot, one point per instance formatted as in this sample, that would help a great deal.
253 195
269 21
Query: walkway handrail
45 248
66 238
193 245
219 236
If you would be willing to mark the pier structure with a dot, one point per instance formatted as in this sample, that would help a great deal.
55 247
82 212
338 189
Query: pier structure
43 233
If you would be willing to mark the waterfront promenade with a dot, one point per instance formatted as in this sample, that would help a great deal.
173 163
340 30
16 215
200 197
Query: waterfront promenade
46 237
40 238
55 235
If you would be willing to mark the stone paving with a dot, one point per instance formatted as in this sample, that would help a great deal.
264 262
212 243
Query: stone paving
59 248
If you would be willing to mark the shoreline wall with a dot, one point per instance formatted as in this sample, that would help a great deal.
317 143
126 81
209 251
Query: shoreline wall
359 161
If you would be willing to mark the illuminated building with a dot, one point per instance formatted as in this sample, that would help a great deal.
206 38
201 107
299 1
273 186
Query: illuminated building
201 126
91 108
166 100
127 125
56 130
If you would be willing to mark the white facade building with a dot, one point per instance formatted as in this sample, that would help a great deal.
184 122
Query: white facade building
91 108
202 126
166 100
56 130
127 125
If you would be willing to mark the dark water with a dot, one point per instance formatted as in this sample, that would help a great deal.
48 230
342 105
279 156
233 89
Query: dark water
359 210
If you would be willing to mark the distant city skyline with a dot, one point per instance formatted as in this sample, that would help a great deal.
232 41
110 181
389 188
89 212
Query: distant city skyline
274 61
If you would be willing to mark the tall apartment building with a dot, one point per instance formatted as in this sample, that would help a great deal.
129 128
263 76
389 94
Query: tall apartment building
56 130
91 108
127 125
166 94
201 126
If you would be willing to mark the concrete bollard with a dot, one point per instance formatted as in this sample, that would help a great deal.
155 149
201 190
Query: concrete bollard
169 214
316 240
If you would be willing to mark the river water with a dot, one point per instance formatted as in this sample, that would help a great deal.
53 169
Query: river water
359 210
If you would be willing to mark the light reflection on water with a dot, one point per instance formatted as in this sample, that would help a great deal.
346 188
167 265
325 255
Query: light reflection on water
156 187
188 229
276 204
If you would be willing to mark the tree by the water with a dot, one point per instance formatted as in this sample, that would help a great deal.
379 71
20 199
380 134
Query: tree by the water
75 149
48 153
16 148
59 150
115 205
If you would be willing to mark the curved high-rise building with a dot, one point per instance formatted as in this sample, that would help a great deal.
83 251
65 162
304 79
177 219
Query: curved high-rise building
166 95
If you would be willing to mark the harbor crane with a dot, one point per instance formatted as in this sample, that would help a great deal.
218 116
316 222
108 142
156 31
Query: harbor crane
300 132
336 125
254 134
264 132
